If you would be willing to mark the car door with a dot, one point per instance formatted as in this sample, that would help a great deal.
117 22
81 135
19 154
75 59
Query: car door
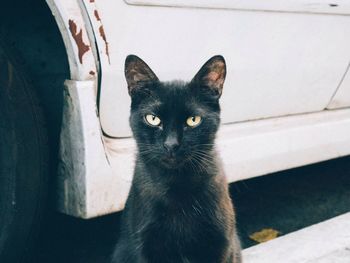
282 59
341 98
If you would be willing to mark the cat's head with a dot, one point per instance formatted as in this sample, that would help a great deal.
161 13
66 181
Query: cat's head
174 123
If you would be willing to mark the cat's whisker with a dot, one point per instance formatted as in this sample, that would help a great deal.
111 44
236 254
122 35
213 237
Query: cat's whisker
204 157
200 164
150 159
145 152
205 144
203 153
195 165
196 210
206 164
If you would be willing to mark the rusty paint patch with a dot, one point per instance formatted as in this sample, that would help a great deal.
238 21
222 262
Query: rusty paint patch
92 73
78 38
92 1
103 35
96 14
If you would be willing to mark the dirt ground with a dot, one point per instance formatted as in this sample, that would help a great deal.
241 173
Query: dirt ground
285 201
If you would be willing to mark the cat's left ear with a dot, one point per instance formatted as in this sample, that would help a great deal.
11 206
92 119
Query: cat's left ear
212 75
137 73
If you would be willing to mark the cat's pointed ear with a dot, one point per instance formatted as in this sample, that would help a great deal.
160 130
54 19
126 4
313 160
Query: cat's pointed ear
212 75
137 72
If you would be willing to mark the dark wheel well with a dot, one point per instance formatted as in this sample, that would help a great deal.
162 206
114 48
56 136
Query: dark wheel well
29 28
23 161
31 35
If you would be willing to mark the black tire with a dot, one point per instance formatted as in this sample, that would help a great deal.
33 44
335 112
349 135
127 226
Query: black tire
23 161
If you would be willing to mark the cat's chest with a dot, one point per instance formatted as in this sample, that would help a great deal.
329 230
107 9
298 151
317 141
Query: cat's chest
186 214
189 229
185 218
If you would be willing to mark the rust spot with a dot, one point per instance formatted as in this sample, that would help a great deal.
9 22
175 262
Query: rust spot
92 73
92 1
97 15
103 35
78 38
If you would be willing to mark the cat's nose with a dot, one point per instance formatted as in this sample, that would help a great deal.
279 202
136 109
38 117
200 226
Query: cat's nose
171 144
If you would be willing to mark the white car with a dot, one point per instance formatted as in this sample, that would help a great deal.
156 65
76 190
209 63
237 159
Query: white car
286 99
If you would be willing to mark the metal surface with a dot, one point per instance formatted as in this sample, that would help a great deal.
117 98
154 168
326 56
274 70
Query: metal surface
289 74
95 180
71 22
87 186
255 148
82 155
341 98
296 6
278 63
96 20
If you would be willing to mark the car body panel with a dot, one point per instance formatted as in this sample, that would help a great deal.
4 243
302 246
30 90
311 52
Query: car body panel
341 98
81 52
278 63
295 6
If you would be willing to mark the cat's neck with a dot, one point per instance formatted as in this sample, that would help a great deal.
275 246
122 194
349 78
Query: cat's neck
156 182
189 172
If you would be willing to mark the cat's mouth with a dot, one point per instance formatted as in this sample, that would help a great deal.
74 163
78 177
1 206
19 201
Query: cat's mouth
171 161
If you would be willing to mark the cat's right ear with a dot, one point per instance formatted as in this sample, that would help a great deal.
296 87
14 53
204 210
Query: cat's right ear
137 73
211 76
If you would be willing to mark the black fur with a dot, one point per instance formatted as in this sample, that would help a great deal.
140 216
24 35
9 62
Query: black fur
178 209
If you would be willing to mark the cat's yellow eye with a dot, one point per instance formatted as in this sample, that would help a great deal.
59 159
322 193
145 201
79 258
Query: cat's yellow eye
193 121
152 120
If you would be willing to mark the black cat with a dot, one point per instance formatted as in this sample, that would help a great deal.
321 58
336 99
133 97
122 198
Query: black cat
178 209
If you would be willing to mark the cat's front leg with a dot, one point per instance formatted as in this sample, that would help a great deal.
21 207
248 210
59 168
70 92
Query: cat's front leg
141 259
235 257
128 257
233 254
127 253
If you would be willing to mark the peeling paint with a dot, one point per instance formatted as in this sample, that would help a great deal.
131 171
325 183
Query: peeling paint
103 35
96 19
78 38
97 15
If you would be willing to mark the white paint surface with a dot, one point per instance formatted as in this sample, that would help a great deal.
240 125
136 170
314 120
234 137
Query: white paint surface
259 147
326 242
299 6
86 184
96 172
342 97
297 67
278 63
